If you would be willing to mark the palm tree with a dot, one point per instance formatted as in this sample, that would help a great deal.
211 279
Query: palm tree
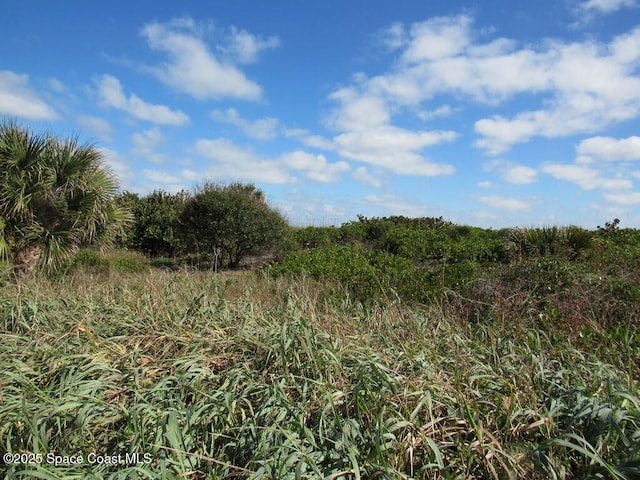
55 195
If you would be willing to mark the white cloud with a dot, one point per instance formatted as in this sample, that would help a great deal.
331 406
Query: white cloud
362 175
357 111
192 67
584 176
520 174
160 176
318 141
146 142
99 126
437 38
314 167
234 161
507 203
398 205
112 95
308 140
395 149
261 129
512 172
605 6
590 86
393 37
18 99
623 198
580 87
120 167
443 111
56 85
245 47
610 149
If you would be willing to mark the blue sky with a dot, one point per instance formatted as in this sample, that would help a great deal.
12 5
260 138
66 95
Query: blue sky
493 113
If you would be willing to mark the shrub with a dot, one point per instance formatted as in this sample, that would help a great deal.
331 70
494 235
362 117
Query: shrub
234 219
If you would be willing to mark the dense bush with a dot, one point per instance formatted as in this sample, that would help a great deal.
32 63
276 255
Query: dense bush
396 257
234 220
216 225
156 230
562 278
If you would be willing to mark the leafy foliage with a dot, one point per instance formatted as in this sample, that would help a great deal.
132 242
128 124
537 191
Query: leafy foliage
559 278
238 375
397 256
234 218
55 195
157 230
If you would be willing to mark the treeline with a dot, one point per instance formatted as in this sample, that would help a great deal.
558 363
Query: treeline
551 276
217 223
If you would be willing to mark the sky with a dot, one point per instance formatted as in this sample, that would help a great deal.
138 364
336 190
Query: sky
490 113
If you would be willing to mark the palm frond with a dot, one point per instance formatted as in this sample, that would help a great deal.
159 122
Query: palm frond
55 193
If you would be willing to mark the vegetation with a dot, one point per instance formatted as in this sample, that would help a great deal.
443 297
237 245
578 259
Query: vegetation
383 348
241 375
233 219
563 278
156 230
217 223
55 196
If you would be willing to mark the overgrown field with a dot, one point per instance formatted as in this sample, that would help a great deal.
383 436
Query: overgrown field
250 375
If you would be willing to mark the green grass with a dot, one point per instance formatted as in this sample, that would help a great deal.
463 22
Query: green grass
240 375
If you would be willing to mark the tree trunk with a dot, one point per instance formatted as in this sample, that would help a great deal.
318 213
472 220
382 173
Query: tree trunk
25 261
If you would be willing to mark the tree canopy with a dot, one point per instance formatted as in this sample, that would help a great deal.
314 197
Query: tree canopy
234 218
55 195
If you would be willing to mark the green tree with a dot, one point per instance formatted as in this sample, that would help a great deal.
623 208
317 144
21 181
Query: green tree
157 229
234 218
55 195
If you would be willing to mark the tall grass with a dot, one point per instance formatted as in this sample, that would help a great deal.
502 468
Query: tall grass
245 376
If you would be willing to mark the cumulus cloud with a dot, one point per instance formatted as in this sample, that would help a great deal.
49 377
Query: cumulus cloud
120 167
160 176
442 111
246 47
604 6
18 99
357 110
610 149
586 177
234 161
111 94
56 85
314 167
579 87
437 38
507 203
99 126
309 140
196 69
395 149
399 205
588 87
623 198
261 129
146 142
512 172
362 175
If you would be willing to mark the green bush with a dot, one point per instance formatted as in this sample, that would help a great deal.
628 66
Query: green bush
90 260
234 220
